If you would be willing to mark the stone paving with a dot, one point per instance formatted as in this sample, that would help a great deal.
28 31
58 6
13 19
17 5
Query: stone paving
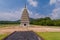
23 35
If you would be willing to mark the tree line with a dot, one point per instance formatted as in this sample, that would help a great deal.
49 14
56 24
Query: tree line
40 21
45 22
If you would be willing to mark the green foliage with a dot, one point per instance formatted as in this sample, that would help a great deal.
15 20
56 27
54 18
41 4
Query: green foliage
45 22
57 22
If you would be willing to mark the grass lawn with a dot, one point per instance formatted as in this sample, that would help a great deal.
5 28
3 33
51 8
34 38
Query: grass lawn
2 36
50 35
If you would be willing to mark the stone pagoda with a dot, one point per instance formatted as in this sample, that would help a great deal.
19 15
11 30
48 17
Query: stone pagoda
25 18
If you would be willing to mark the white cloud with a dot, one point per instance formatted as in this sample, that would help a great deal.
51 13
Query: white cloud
55 14
35 15
34 3
52 2
11 15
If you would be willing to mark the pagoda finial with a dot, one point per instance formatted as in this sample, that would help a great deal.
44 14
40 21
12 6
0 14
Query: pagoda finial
25 5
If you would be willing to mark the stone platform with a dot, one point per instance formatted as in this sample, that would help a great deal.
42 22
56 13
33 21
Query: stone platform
23 35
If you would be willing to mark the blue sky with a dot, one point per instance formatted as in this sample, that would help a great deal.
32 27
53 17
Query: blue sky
12 9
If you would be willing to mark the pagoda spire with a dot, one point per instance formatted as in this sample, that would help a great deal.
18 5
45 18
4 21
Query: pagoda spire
25 5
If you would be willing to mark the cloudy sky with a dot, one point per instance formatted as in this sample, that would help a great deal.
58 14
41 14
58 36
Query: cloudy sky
12 9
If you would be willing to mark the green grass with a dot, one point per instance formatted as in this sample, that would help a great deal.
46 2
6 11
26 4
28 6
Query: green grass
2 36
49 35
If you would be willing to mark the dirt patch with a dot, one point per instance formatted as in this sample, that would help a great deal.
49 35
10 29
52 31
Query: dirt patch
33 28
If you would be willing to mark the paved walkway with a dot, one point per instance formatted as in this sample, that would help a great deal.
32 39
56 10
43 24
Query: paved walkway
23 35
